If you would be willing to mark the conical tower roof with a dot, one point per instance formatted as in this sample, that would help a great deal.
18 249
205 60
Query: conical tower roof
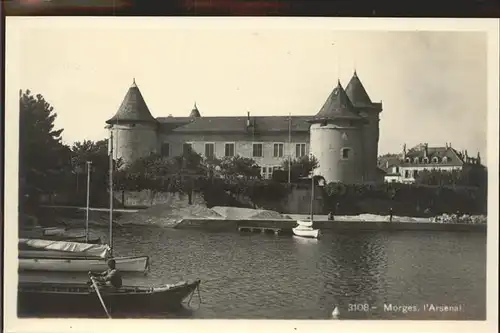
195 113
337 106
133 108
357 93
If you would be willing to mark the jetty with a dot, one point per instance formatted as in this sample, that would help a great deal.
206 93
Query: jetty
276 231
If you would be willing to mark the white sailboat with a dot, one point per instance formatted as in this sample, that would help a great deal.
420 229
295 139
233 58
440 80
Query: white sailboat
305 228
62 256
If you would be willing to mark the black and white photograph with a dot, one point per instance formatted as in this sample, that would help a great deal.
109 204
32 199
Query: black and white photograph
317 170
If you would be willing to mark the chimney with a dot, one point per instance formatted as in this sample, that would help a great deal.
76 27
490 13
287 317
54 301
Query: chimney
426 152
248 119
446 145
387 164
404 151
478 158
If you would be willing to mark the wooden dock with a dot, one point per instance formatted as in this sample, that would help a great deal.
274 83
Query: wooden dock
275 231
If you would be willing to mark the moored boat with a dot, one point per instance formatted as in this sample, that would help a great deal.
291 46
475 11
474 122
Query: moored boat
39 234
307 232
35 298
54 256
54 231
73 263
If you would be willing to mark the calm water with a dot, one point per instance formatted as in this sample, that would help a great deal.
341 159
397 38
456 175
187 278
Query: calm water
258 276
283 277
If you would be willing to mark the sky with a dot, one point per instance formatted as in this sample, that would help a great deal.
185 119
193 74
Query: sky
433 84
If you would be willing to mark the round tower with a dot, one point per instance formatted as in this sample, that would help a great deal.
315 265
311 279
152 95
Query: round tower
371 131
134 128
336 140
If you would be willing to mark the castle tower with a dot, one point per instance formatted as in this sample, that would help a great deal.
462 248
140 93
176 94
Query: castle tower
195 113
336 139
134 128
370 111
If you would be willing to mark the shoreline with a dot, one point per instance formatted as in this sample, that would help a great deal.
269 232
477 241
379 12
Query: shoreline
288 225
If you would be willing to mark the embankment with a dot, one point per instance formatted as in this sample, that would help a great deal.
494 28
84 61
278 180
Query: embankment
232 225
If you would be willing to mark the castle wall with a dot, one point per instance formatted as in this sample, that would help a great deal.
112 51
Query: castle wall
243 144
371 133
327 144
133 141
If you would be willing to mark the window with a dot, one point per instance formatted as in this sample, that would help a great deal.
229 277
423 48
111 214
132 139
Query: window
300 150
415 160
407 174
229 150
407 160
435 159
257 150
278 150
426 160
209 150
445 159
165 149
346 153
187 148
415 173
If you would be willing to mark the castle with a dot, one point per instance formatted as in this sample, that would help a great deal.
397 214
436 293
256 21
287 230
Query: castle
343 135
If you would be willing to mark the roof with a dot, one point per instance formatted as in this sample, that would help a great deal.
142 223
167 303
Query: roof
337 105
388 161
357 93
453 158
236 124
133 108
195 113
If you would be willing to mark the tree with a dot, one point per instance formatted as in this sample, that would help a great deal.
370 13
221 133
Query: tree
301 167
233 167
97 153
44 162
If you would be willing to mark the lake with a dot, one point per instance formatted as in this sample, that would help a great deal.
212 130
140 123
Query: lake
367 275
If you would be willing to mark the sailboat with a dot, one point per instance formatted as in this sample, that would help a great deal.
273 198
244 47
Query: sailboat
63 256
305 228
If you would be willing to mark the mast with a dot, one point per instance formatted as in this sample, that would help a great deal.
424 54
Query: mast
111 190
312 196
289 146
89 164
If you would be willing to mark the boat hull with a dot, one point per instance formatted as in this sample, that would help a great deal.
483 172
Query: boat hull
82 264
306 232
37 299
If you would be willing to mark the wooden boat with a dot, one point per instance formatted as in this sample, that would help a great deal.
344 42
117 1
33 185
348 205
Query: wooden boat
54 256
40 234
36 298
54 231
307 232
73 263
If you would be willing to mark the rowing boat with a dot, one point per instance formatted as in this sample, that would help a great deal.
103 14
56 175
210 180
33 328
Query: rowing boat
38 298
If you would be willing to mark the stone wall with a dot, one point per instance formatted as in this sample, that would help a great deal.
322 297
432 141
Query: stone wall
297 202
147 198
